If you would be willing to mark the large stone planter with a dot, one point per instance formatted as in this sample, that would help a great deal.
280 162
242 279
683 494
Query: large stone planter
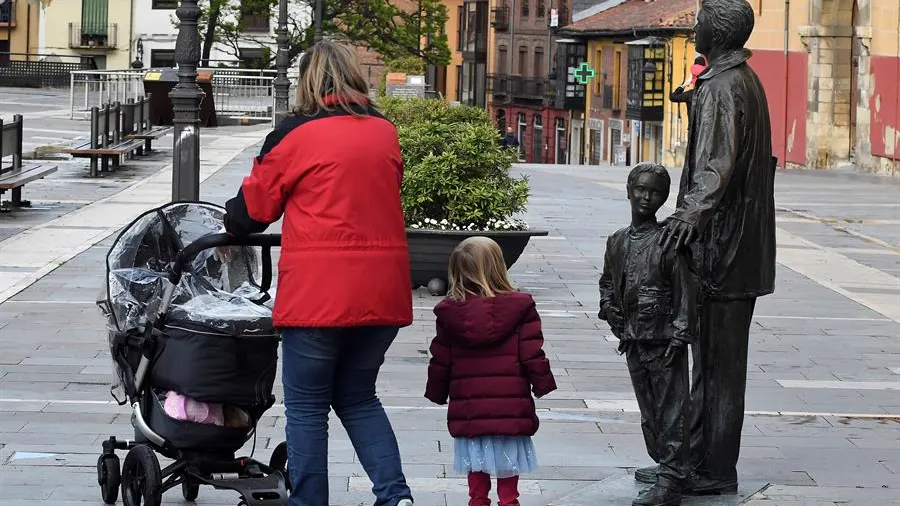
429 252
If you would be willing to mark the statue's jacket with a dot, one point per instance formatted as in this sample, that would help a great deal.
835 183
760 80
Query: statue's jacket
651 285
727 186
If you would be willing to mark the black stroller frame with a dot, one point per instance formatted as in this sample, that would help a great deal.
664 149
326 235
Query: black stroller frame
140 477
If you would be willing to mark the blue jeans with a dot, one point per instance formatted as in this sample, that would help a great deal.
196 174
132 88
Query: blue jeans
337 368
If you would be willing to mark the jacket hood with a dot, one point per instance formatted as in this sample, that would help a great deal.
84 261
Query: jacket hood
483 321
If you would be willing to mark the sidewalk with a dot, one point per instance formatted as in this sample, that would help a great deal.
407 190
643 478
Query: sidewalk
824 381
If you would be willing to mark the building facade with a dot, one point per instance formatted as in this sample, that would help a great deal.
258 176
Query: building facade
831 69
18 29
631 55
523 85
112 34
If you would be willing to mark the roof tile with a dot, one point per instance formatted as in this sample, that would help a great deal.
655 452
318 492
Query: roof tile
639 15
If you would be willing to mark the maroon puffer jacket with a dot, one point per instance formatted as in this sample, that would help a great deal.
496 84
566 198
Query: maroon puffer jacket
487 356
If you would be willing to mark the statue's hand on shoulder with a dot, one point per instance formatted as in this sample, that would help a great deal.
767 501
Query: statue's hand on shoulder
677 234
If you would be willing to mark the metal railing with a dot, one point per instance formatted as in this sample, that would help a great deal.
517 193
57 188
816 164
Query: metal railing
93 36
237 93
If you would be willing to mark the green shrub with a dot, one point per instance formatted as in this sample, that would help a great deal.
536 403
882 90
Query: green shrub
457 175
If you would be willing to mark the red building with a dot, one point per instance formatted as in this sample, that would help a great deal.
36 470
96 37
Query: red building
522 88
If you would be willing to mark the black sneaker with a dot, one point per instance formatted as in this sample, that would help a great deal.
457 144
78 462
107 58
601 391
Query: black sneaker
646 474
658 495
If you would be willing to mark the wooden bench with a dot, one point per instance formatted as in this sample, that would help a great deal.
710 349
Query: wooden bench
106 142
136 123
14 174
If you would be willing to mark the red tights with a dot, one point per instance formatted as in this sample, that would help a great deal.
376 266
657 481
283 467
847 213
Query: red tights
480 487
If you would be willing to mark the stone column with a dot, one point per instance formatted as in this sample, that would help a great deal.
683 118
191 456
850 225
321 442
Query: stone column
186 99
282 83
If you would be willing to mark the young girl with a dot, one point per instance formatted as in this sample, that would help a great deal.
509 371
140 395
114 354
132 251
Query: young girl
488 357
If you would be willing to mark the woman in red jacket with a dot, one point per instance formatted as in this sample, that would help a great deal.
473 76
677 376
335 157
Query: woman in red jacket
487 358
333 169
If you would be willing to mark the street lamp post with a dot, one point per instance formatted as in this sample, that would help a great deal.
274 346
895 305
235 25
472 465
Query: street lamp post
319 13
186 97
282 83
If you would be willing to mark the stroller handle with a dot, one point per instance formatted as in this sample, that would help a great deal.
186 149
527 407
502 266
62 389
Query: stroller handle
266 241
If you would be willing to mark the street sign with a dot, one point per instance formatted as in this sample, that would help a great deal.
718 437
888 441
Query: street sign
554 18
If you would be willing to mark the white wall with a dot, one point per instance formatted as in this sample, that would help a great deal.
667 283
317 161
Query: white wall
156 28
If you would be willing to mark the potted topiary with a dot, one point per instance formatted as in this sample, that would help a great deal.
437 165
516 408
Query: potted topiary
456 185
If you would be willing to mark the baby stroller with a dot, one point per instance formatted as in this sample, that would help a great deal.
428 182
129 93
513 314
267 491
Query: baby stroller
195 353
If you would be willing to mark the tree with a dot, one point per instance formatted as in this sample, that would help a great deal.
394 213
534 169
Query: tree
386 28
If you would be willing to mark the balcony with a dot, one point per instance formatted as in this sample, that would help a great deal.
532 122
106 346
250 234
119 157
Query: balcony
529 89
500 18
93 36
646 86
499 85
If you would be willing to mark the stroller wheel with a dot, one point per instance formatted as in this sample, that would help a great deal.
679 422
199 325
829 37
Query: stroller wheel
190 489
141 478
109 477
278 461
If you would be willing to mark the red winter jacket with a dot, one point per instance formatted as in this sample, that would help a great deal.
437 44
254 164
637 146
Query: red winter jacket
487 357
336 179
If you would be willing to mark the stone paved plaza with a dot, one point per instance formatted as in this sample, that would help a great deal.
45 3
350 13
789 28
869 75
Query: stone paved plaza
823 410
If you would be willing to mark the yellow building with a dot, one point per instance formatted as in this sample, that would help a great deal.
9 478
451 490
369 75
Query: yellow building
637 52
100 31
470 36
18 29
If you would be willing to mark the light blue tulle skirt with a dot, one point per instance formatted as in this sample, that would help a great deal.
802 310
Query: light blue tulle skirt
498 456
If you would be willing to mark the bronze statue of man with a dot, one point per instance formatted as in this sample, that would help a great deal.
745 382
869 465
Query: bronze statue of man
726 216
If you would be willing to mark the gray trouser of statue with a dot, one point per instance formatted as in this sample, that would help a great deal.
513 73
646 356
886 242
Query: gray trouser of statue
663 397
719 385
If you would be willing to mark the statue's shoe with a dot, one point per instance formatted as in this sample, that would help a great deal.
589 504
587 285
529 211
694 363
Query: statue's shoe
658 495
701 485
646 474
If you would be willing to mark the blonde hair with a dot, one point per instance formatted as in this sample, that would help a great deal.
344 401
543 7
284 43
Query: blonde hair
477 268
329 68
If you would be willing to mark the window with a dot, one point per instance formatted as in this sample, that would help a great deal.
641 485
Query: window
598 66
525 8
162 58
459 83
164 4
538 61
541 8
460 28
475 28
617 78
7 13
502 61
4 51
255 18
472 83
523 55
254 57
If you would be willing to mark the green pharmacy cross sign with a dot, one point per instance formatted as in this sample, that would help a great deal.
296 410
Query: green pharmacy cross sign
584 73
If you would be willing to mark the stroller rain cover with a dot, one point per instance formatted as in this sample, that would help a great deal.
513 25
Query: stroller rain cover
216 302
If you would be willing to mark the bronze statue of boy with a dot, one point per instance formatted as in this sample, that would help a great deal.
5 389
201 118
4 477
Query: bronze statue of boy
648 296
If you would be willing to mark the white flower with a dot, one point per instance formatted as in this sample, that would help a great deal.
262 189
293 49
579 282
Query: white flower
445 222
415 225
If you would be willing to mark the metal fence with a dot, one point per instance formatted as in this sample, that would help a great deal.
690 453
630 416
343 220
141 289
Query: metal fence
237 93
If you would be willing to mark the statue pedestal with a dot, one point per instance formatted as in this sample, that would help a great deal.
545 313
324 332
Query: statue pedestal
621 489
